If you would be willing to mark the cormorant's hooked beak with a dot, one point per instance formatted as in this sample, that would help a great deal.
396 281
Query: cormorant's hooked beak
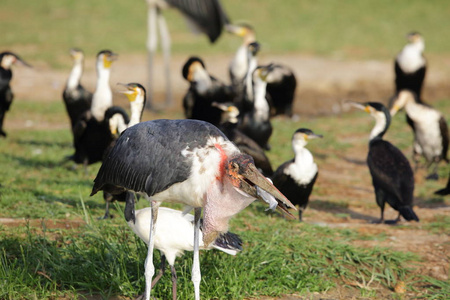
361 106
249 180
314 136
22 62
130 92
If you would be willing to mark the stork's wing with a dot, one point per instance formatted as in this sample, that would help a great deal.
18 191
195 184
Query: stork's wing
208 15
148 157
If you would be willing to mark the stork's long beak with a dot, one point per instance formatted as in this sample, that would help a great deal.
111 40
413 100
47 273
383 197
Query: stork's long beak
253 183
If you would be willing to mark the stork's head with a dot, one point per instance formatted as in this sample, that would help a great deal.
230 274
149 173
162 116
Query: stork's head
246 178
77 54
7 59
105 59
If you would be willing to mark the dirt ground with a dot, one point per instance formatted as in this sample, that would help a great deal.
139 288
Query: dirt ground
324 84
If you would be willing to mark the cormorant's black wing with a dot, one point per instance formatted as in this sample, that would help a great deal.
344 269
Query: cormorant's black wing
445 138
208 15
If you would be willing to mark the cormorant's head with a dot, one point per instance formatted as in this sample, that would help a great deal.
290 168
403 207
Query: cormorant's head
77 54
193 63
253 48
7 59
380 113
414 37
230 112
305 134
105 58
401 99
134 91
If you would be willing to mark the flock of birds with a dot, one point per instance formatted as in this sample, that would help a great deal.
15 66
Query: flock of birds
215 159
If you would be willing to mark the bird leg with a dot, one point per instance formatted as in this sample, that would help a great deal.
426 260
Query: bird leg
174 282
152 43
161 270
149 267
196 275
433 175
165 44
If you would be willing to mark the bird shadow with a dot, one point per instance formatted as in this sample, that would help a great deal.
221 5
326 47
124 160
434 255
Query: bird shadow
33 162
358 162
43 143
340 209
433 202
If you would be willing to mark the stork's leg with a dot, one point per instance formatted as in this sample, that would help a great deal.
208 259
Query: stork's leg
152 43
161 270
196 275
149 267
165 44
174 282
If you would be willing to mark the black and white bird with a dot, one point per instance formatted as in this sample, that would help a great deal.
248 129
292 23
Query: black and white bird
76 98
239 65
7 60
118 120
431 136
281 86
204 89
411 65
392 176
92 135
255 123
207 17
445 191
228 125
175 234
190 162
296 177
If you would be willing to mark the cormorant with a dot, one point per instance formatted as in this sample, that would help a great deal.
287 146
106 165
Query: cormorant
190 162
411 65
256 122
7 59
295 178
76 98
445 191
392 176
204 89
281 85
431 137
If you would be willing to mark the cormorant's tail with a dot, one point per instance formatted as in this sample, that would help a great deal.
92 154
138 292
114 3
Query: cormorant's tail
229 243
408 213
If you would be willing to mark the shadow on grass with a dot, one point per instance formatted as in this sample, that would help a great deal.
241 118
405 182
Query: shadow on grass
339 208
430 202
35 162
43 143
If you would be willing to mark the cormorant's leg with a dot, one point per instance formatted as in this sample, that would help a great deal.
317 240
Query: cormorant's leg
379 196
434 174
149 267
2 116
161 270
300 214
129 207
108 199
196 275
174 282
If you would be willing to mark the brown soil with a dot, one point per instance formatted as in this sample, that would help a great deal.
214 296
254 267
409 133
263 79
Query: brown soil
324 85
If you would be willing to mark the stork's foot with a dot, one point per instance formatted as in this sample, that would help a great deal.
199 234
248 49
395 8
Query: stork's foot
432 176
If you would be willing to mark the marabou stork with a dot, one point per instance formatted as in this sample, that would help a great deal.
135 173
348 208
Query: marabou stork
206 16
204 89
174 235
392 176
190 162
296 177
431 137
76 98
7 59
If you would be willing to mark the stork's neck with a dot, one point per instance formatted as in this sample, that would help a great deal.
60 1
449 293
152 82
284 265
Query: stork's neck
261 106
75 75
102 98
137 108
382 122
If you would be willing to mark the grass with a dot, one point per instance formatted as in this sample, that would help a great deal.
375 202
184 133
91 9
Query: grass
81 256
45 30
